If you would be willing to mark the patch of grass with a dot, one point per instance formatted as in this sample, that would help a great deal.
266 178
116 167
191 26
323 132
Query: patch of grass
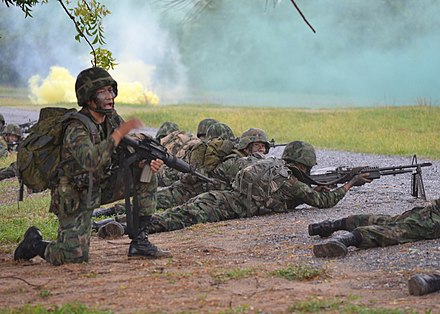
66 308
337 305
233 274
15 219
300 272
236 310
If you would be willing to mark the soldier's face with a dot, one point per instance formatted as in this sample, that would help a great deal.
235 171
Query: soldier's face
104 98
11 138
258 147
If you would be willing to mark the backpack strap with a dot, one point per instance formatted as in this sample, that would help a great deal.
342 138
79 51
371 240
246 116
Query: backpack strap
93 130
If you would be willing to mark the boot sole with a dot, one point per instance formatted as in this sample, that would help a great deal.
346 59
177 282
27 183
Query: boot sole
330 249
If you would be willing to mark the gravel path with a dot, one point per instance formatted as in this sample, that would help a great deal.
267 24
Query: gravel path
387 195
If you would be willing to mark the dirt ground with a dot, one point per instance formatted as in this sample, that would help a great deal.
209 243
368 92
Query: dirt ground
195 278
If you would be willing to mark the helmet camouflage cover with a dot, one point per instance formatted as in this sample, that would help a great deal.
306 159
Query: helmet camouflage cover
90 80
300 152
220 130
13 129
204 125
253 135
165 129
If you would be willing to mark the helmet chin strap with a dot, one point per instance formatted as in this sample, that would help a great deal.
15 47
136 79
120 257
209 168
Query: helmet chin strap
107 112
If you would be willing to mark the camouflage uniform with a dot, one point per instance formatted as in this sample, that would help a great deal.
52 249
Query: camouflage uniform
9 172
2 123
69 199
89 176
419 223
283 192
177 143
10 129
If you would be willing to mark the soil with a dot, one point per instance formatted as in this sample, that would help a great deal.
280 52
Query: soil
199 278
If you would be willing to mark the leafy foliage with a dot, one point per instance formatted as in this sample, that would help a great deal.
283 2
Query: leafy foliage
87 17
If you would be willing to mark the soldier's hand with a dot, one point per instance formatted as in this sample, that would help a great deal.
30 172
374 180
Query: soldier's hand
155 165
357 180
322 188
125 128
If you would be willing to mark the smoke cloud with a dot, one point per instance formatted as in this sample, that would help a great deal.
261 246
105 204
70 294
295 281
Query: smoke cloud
365 53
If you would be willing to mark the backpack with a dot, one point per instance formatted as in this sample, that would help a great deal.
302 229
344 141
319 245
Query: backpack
208 155
178 143
260 180
39 155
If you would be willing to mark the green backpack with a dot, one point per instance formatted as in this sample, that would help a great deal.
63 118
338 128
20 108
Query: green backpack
39 154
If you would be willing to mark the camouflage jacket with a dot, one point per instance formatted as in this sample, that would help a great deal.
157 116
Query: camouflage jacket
83 153
270 184
3 147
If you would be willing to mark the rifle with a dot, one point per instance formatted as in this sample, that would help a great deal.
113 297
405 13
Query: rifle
148 149
12 147
273 145
25 127
341 175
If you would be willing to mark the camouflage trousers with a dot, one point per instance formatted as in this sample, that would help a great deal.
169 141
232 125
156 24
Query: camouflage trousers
8 172
207 207
419 223
167 176
74 214
178 193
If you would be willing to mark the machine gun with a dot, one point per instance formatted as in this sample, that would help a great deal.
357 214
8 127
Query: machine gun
147 149
341 175
25 127
272 144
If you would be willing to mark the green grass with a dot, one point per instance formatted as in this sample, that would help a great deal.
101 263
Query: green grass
16 218
388 130
300 272
66 308
403 131
343 306
233 274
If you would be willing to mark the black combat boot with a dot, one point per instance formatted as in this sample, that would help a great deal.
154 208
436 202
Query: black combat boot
326 228
337 246
31 246
423 284
141 246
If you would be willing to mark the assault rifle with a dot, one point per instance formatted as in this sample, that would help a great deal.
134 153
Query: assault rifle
341 175
150 149
147 149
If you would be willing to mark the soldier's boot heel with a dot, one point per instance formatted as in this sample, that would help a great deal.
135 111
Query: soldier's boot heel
145 249
338 246
423 284
326 228
31 246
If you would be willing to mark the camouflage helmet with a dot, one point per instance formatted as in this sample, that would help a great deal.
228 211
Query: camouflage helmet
90 80
253 135
220 130
300 152
204 125
2 119
165 129
13 129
